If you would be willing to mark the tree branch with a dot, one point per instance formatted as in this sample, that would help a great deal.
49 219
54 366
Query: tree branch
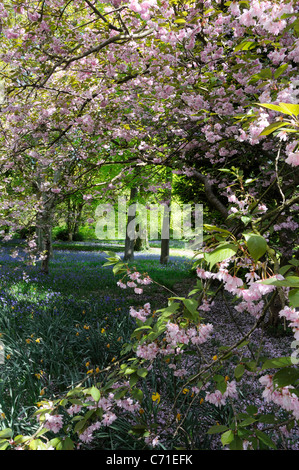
98 13
212 198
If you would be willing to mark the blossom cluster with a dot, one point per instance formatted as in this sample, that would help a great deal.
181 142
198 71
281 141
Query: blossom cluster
283 396
109 406
135 279
142 313
292 153
218 398
251 297
53 422
175 337
293 316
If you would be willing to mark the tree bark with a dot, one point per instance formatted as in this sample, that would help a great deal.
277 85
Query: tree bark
164 256
130 230
44 236
74 213
141 242
44 225
211 197
165 235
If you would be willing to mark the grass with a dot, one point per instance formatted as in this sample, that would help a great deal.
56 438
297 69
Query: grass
56 327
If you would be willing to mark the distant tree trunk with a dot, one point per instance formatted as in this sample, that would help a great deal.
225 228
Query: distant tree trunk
69 221
130 230
141 241
74 213
274 309
77 221
48 255
141 235
164 256
44 236
44 225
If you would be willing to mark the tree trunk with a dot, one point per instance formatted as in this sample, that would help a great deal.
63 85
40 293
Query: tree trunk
164 256
44 224
274 309
141 242
130 231
165 235
73 218
44 237
48 255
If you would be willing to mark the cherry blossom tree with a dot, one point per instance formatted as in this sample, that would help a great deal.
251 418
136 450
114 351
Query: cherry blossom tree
208 89
184 93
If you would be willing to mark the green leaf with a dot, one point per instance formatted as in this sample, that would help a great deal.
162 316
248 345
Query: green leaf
220 254
289 281
213 228
245 46
236 444
294 298
142 372
138 429
252 410
34 444
75 391
55 441
290 109
221 384
277 363
227 437
256 244
217 428
280 70
294 262
140 329
68 444
274 107
4 445
285 377
120 393
251 366
239 371
137 394
6 433
285 108
95 393
273 127
265 73
242 344
191 305
267 419
133 380
245 219
41 432
247 421
112 255
265 439
80 425
118 267
285 269
20 438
